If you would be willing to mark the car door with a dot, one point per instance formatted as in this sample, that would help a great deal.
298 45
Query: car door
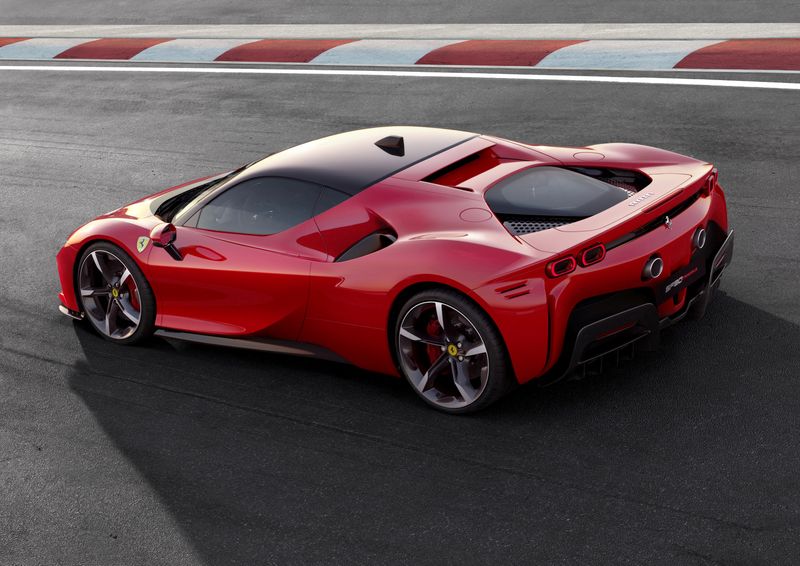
245 262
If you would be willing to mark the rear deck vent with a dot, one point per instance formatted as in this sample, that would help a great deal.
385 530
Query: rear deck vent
520 225
627 187
630 181
465 168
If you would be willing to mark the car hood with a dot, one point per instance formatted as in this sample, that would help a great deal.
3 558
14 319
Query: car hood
147 206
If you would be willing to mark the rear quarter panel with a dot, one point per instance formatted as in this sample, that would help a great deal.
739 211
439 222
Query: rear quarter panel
351 302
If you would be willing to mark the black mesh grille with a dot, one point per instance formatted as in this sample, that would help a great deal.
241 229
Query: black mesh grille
519 225
627 187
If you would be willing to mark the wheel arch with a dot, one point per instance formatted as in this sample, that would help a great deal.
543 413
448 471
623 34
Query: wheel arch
420 286
85 244
81 248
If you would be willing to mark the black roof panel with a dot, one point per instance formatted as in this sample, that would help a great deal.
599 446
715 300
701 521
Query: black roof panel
351 162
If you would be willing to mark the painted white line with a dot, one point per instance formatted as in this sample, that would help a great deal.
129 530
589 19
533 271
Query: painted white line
381 51
40 48
405 74
623 54
709 30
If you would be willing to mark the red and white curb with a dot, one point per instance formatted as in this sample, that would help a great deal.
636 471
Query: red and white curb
781 54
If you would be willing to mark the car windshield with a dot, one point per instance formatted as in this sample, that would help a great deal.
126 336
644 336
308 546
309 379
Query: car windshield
552 191
170 208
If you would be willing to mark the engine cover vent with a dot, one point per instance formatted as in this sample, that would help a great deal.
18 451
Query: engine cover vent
630 181
520 225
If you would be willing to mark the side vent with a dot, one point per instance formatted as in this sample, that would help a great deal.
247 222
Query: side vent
369 244
514 290
393 145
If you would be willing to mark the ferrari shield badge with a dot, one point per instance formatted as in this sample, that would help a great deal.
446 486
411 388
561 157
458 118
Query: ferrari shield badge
141 243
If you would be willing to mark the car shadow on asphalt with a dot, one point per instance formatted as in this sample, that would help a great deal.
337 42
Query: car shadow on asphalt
263 458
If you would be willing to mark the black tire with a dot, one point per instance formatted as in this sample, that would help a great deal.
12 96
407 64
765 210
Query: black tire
146 300
499 378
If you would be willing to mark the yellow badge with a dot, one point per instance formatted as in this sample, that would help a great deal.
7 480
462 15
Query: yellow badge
452 350
141 243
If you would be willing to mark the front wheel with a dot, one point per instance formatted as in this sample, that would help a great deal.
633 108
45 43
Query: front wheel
114 294
450 352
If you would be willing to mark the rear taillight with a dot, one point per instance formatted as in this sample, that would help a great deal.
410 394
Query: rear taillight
561 266
589 256
592 255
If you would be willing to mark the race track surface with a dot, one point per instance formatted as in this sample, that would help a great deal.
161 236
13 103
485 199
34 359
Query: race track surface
181 454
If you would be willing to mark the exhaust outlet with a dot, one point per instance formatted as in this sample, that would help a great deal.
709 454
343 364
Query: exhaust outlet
653 268
699 238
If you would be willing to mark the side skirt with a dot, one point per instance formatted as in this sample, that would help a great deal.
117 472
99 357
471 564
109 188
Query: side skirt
264 345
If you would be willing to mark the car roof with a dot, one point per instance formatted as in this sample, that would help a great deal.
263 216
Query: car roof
350 162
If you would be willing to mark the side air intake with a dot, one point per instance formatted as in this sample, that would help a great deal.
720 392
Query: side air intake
369 244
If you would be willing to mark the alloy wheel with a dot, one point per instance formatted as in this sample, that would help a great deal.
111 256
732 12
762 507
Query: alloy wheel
443 354
109 294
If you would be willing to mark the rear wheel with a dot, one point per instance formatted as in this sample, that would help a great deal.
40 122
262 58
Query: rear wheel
114 294
450 352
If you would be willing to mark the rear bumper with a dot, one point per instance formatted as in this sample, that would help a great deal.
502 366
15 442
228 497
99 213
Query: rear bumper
639 323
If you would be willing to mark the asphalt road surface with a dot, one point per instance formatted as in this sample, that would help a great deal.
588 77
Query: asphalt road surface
399 11
183 454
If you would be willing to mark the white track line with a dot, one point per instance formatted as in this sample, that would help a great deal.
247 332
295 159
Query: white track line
709 30
406 74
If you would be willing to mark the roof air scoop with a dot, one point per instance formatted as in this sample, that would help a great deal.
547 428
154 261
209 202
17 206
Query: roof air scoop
393 145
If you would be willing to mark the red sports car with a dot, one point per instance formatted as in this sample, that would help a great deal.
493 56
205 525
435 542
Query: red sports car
465 263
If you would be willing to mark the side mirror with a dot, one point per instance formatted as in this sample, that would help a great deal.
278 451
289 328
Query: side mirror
163 236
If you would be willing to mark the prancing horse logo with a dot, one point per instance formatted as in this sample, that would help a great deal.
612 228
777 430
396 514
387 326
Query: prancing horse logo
141 243
667 222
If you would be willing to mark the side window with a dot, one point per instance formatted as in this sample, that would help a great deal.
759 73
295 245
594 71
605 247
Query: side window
265 205
328 199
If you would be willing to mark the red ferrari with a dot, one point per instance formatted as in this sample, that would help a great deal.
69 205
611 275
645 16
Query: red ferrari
465 263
